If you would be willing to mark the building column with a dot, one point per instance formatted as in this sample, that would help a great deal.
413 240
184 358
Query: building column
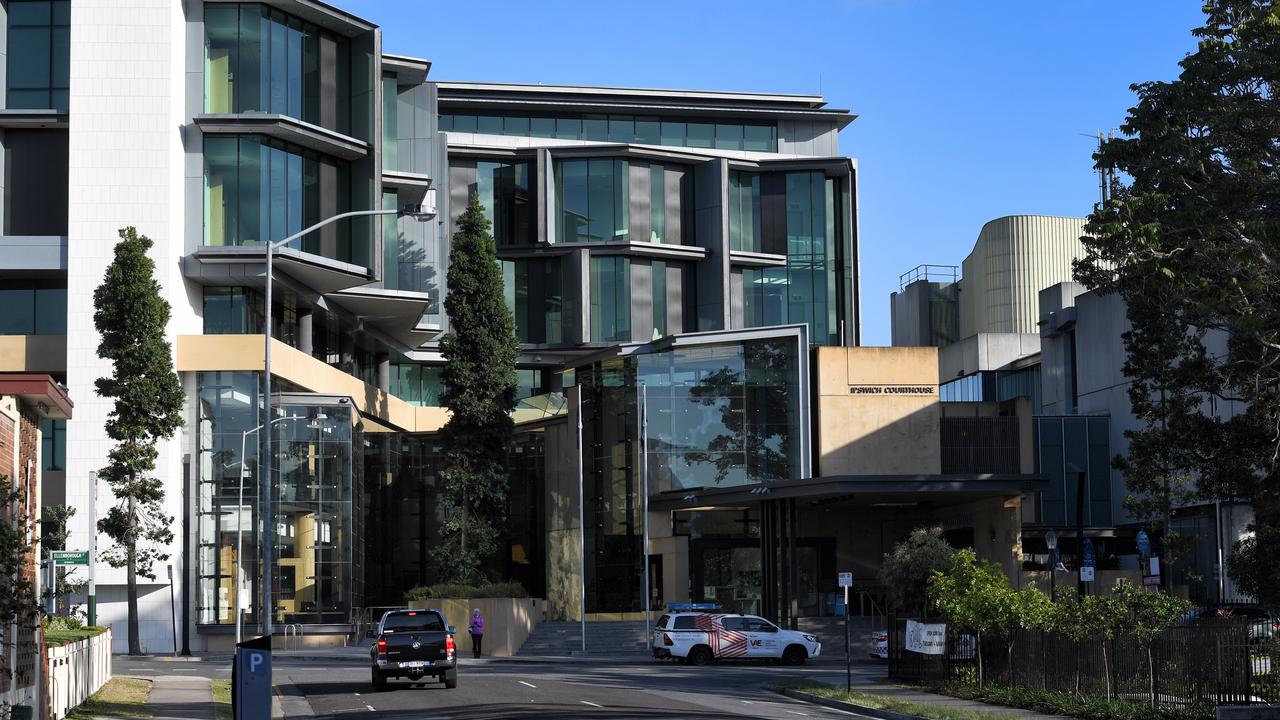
384 372
306 341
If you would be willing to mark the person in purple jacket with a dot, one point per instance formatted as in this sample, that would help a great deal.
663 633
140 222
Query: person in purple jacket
477 631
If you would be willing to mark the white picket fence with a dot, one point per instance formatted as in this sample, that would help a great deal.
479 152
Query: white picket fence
76 671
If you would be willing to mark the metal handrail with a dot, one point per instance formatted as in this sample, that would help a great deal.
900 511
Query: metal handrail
864 599
293 633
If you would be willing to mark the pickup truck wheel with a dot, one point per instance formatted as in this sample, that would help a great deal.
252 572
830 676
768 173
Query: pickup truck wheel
794 655
451 679
379 681
700 655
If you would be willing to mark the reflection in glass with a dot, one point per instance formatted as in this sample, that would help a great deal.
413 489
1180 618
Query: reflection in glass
611 298
39 52
639 129
508 205
593 200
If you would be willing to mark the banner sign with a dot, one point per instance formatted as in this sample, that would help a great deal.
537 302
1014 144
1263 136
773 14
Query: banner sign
926 638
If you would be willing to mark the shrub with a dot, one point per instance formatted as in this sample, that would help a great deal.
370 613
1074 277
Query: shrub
1080 706
462 590
62 623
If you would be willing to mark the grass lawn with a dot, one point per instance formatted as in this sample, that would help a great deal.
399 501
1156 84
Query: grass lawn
881 702
53 636
222 699
120 697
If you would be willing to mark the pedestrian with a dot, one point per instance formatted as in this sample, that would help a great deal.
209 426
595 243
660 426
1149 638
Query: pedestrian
477 631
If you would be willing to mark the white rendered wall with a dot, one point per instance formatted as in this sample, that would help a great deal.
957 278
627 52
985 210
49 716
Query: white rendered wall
126 167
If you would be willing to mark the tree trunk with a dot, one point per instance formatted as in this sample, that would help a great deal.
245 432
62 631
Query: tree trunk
1013 679
131 556
978 639
1106 669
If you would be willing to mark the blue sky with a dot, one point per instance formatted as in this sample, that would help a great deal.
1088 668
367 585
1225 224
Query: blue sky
967 111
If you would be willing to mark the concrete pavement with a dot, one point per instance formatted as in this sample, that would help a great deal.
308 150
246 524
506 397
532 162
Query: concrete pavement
180 698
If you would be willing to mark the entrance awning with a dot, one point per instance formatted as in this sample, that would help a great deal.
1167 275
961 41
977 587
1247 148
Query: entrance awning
866 490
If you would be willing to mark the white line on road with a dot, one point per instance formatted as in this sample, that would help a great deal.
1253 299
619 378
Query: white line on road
370 708
748 702
793 712
584 702
528 683
357 694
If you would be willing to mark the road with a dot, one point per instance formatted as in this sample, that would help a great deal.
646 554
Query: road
610 690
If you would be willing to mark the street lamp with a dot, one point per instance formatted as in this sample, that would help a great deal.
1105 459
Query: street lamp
268 522
240 517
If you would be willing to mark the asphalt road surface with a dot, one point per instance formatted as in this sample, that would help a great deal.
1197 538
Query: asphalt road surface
607 690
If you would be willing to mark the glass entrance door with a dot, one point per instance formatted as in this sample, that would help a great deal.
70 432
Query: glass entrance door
729 574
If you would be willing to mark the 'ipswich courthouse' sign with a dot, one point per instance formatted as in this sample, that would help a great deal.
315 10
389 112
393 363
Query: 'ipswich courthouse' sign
893 389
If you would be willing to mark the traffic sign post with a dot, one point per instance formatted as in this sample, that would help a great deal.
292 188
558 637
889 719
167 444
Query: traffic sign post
846 582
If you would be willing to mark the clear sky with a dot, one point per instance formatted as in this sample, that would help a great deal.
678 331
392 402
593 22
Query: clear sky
967 110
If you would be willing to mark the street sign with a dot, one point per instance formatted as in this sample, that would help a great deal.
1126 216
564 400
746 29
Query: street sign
1086 573
846 579
70 557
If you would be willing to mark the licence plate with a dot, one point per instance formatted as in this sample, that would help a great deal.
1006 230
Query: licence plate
415 664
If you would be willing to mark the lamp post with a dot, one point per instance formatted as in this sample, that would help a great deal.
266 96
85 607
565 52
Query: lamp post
1051 540
240 519
268 521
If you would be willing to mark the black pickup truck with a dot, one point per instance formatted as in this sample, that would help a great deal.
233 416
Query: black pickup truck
413 644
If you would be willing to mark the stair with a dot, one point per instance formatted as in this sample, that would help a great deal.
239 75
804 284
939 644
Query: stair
563 639
830 632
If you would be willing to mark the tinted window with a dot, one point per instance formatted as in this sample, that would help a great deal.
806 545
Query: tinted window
426 621
662 621
758 625
685 622
733 623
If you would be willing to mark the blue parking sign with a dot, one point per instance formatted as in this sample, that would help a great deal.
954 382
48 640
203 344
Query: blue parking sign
252 680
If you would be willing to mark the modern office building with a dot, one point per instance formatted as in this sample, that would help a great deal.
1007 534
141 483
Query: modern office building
681 266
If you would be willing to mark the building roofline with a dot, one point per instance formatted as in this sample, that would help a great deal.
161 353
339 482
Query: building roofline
802 99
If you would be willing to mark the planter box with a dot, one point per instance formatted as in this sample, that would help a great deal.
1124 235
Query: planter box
508 622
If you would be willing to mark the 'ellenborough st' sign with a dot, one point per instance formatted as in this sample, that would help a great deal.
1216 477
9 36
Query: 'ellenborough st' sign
893 389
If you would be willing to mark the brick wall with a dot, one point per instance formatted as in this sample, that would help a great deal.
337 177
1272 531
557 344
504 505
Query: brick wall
20 463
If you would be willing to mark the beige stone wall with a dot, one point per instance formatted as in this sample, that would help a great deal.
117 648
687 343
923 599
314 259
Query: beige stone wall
33 353
508 622
878 411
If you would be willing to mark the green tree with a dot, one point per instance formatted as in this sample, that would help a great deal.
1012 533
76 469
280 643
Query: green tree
53 519
18 602
480 392
131 317
905 572
1190 240
1148 613
1088 619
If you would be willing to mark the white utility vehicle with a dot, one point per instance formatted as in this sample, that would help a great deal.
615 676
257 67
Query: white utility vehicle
697 638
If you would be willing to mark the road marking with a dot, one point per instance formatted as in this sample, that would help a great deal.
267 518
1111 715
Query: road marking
793 712
528 683
370 708
584 702
357 694
748 702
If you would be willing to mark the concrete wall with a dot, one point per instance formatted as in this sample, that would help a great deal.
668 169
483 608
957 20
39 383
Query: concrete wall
1014 259
508 622
985 351
881 432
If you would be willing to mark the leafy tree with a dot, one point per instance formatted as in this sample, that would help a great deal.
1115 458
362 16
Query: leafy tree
906 571
18 603
53 519
1190 240
975 594
131 317
1086 619
1149 613
480 392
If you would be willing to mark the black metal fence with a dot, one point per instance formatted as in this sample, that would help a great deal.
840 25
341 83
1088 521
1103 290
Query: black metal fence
1215 662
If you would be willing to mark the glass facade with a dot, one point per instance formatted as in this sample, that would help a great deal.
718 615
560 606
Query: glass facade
26 308
258 189
39 54
611 298
593 200
316 490
261 60
640 129
806 290
535 295
720 414
416 383
408 257
744 212
1066 446
390 122
504 193
240 310
53 439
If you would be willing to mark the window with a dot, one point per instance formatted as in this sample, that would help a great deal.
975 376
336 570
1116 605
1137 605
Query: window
39 54
657 203
744 212
593 200
53 438
414 621
416 384
659 298
33 310
535 296
239 311
390 122
257 189
508 205
611 299
685 622
640 129
259 59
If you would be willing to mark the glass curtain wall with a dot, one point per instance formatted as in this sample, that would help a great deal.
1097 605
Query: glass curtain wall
39 54
593 200
722 414
508 203
257 189
417 384
744 212
806 290
638 129
261 60
535 296
610 298
240 311
28 308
